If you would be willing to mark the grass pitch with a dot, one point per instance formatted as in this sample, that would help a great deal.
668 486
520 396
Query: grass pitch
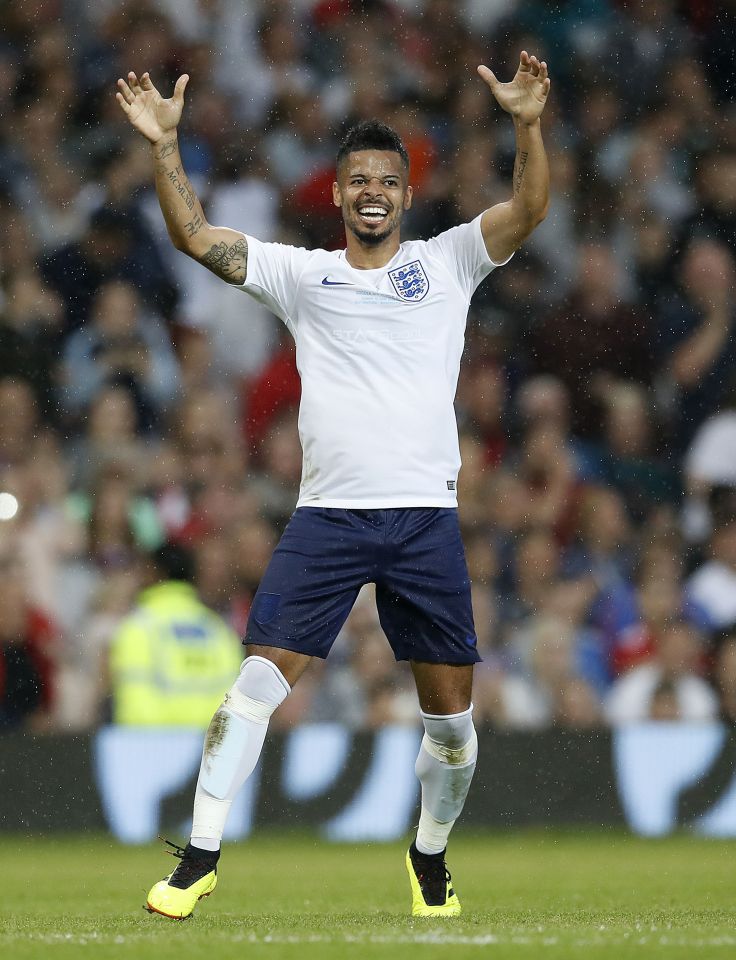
525 895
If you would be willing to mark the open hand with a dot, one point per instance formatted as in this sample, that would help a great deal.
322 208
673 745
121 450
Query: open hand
147 110
525 96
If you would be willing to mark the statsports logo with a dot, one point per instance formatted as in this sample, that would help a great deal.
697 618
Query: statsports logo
410 281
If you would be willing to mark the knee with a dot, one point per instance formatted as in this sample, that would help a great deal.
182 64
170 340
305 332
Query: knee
451 739
259 689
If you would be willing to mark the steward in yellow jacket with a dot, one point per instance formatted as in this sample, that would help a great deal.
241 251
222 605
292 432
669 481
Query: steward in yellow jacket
172 659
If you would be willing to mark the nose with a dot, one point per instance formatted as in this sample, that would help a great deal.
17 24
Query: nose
375 180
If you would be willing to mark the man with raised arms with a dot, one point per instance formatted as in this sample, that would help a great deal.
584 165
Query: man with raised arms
379 330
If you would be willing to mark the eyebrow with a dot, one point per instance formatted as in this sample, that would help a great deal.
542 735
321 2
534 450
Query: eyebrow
385 176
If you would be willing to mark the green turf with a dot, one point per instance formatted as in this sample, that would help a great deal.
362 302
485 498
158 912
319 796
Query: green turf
530 895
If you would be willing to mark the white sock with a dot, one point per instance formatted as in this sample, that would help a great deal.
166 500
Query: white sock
445 767
232 746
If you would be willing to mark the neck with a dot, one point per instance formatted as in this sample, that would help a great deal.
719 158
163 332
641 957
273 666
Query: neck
363 256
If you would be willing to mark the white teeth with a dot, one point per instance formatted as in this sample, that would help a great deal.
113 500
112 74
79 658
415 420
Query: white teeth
372 211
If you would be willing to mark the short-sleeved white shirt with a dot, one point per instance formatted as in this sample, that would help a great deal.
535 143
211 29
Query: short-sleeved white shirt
378 352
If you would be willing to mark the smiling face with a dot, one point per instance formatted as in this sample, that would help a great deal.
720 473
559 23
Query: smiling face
372 192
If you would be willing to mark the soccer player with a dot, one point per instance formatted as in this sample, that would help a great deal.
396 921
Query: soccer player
379 332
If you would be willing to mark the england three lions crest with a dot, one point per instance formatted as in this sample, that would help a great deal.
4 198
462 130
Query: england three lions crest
410 281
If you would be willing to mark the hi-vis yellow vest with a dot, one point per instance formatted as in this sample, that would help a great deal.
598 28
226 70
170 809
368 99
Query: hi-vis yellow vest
171 660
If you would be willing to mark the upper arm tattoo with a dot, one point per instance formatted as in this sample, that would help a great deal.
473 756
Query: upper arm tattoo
194 226
228 261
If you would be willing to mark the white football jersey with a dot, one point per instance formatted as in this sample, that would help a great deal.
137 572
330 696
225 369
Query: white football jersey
378 352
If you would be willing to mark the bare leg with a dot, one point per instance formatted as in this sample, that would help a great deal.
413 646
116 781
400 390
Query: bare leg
292 665
443 688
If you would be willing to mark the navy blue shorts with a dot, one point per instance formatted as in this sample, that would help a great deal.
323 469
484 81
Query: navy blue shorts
414 556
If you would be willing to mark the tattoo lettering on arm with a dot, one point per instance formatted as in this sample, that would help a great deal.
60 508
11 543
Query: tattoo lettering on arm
194 226
228 261
520 166
183 187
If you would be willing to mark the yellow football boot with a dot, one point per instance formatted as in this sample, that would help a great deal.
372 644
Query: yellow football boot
431 885
195 877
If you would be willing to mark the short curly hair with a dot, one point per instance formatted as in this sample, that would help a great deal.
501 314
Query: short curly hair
371 135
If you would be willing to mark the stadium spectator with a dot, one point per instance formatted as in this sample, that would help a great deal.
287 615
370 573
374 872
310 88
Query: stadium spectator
56 207
593 337
19 419
709 466
482 398
167 485
208 439
603 546
27 652
171 657
214 575
482 560
652 254
119 190
670 686
120 520
475 481
550 472
106 251
121 345
276 483
273 393
724 676
695 347
715 216
110 437
713 584
82 698
29 329
628 456
544 398
711 458
536 565
632 621
45 535
551 682
253 540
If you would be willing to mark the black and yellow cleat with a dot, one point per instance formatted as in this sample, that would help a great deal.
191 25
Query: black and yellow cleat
195 877
431 885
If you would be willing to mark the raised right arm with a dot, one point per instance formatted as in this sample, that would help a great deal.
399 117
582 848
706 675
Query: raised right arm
220 249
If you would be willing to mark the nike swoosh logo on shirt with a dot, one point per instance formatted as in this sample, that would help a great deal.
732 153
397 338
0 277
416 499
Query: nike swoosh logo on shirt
336 283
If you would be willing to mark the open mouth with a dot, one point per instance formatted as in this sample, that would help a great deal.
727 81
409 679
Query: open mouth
372 214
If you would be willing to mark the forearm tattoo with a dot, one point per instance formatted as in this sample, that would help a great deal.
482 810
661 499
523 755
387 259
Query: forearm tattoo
519 168
183 187
165 150
228 261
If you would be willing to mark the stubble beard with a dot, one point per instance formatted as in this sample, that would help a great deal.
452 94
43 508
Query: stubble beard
371 238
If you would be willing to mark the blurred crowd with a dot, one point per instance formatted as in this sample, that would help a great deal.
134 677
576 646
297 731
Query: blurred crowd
144 403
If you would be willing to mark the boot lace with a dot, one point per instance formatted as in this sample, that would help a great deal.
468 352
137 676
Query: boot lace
190 869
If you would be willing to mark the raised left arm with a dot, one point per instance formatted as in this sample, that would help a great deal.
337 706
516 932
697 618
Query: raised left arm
506 225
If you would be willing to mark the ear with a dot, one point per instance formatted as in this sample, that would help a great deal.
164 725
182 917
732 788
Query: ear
408 196
336 195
